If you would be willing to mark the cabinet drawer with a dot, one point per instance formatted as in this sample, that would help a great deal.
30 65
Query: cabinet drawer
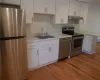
43 44
32 45
54 43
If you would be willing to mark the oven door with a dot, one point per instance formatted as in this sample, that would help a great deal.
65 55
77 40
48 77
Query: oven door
77 43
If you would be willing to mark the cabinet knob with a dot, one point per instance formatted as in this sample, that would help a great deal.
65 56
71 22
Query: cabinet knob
46 10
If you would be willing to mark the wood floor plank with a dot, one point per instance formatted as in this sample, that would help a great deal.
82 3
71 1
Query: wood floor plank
88 59
61 74
82 67
85 68
87 62
76 74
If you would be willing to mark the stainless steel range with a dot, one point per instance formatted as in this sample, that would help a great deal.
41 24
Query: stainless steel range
77 40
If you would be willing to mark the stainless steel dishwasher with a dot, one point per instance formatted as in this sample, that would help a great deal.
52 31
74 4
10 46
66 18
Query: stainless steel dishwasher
64 48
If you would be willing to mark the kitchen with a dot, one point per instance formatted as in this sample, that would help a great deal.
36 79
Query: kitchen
46 20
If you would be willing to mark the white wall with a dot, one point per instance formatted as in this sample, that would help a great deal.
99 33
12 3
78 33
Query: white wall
93 19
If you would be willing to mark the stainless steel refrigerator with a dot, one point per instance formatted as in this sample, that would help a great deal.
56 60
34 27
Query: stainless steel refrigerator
13 44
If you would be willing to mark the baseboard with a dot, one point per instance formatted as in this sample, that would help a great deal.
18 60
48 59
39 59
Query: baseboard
42 65
88 52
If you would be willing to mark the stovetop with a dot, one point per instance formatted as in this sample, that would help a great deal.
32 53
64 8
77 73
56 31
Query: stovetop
74 34
70 31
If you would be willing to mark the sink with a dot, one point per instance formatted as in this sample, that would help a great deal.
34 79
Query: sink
44 37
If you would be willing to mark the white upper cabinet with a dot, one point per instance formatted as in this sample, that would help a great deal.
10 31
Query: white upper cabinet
44 6
62 7
17 2
50 6
84 11
74 8
27 5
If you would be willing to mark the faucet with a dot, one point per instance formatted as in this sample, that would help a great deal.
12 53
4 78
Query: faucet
42 33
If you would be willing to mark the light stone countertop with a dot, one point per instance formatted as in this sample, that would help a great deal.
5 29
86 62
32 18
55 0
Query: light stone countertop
88 33
56 36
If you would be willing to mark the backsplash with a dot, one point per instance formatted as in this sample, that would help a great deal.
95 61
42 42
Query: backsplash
43 21
47 23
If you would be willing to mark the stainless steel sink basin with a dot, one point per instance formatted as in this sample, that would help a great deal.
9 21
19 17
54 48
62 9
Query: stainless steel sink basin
44 37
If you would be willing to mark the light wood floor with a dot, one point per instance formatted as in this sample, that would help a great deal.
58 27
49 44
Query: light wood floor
82 67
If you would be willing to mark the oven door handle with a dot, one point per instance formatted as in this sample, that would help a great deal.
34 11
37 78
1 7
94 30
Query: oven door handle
78 38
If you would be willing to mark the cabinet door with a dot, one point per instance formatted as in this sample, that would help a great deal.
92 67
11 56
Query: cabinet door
39 6
50 5
27 5
62 7
53 50
12 1
84 11
44 6
43 56
32 58
75 7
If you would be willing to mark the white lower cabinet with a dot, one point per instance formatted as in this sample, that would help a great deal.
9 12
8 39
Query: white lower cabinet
44 54
32 58
49 52
53 50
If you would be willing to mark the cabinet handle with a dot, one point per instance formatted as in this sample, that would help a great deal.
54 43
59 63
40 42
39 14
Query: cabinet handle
32 19
62 20
83 21
37 52
46 10
50 49
75 13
